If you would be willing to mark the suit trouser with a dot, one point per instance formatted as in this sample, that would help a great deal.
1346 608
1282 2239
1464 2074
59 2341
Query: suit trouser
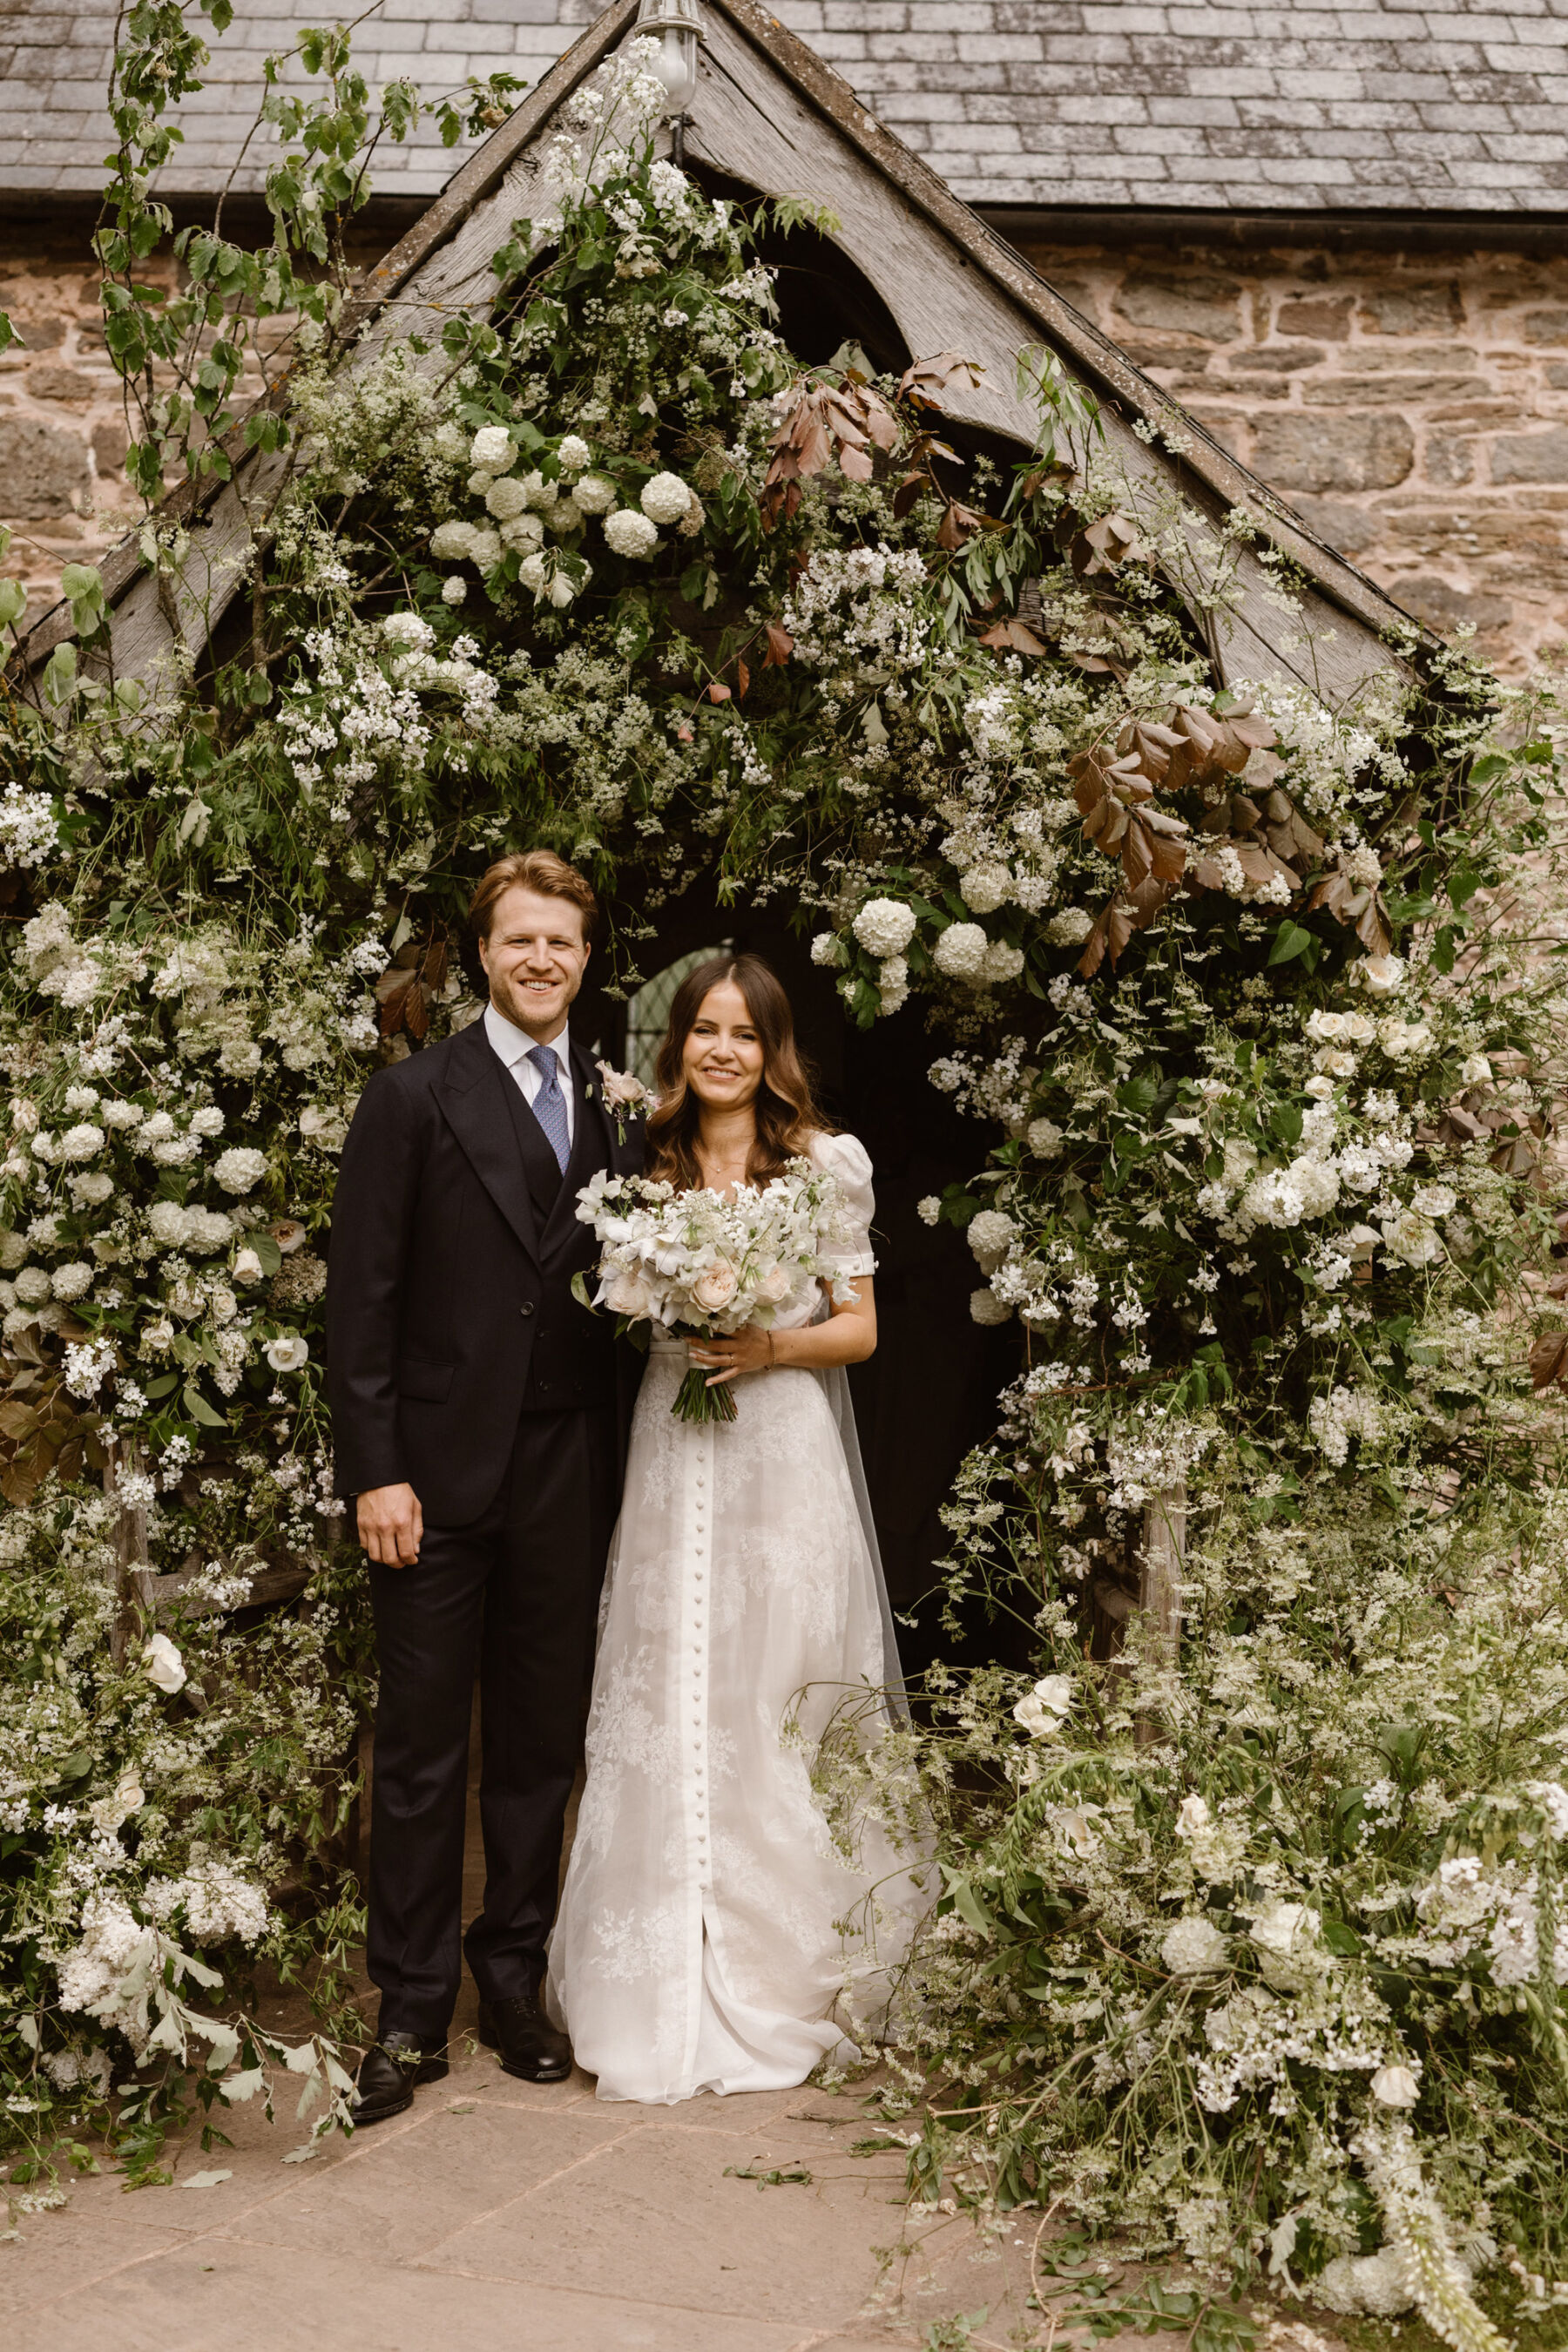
517 1593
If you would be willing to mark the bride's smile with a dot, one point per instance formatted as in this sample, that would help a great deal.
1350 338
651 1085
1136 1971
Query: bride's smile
723 1056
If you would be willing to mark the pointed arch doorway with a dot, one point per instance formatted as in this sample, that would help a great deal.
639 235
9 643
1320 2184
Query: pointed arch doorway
928 1394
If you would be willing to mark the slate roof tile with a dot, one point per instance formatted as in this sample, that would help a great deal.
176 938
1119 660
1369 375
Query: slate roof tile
1393 104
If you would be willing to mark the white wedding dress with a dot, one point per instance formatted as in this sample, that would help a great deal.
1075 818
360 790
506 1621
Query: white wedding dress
713 1933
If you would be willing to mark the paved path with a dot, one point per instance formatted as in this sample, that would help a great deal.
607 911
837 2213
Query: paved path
497 2214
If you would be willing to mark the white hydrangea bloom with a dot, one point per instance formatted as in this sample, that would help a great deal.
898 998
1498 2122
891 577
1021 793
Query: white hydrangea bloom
631 533
990 1236
594 494
985 1306
453 589
985 888
506 499
72 1281
824 949
893 984
525 530
1003 965
493 447
240 1168
1194 1947
452 542
82 1143
885 927
1071 927
539 492
574 453
1045 1139
665 499
959 952
929 1210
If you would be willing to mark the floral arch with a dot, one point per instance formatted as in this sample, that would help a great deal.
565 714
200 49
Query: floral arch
1251 1943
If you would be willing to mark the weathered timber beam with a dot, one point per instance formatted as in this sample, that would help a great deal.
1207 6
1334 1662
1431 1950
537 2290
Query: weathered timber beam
1108 370
215 512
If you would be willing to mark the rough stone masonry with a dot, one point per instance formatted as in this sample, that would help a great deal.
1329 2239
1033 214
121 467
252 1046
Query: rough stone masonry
1414 406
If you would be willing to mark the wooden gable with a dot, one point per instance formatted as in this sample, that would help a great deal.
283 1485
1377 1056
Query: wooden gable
768 113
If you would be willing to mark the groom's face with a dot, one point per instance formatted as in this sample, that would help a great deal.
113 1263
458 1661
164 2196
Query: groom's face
535 959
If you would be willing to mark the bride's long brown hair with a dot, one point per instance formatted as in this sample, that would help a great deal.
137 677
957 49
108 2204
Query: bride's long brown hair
786 1105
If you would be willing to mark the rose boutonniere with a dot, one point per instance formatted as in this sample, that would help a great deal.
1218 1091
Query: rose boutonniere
624 1097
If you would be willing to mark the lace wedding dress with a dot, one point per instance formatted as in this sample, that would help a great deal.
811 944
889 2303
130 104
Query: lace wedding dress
711 1922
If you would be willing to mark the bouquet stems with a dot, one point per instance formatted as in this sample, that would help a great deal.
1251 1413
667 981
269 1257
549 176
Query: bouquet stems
695 1401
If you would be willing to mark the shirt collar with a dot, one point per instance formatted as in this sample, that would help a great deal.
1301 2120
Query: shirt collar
512 1043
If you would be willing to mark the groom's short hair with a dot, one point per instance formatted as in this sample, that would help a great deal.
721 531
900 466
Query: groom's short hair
533 870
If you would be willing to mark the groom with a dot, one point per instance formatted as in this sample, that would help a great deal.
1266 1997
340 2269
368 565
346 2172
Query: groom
479 1418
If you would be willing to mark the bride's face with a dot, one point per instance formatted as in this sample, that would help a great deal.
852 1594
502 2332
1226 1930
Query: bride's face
722 1057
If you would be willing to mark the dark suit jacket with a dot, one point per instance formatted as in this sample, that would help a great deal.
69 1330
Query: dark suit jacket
454 1242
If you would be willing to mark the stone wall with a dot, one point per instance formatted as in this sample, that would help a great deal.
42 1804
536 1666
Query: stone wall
1412 406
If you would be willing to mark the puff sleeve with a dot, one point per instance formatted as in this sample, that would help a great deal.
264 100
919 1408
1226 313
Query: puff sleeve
847 1243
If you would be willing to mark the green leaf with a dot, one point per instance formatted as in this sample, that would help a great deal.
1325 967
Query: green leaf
13 602
197 1407
1290 939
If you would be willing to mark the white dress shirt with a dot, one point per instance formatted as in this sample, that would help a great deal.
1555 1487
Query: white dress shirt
515 1046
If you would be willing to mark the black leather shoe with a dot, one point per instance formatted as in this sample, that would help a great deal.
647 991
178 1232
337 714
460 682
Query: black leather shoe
389 2071
530 2046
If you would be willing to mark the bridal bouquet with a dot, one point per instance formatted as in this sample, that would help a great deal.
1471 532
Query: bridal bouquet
695 1262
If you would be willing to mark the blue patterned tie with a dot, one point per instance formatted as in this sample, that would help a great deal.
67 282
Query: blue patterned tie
549 1104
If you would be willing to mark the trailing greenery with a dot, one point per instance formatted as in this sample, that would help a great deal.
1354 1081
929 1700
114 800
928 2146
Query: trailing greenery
1250 1950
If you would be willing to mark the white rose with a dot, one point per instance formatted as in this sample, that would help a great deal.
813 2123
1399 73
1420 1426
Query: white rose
715 1286
1379 976
959 952
248 1267
506 499
288 1352
631 533
1284 1937
594 494
1435 1200
1474 1070
985 888
1321 1089
240 1168
1395 2086
1192 1817
574 453
1194 1947
665 499
884 927
774 1286
491 446
985 1306
1045 1139
164 1665
626 1293
289 1234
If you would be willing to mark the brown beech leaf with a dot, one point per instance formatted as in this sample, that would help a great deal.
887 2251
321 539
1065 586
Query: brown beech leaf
1549 1357
1373 929
958 523
923 381
906 494
718 693
742 678
1014 636
1558 1286
1104 546
855 464
781 645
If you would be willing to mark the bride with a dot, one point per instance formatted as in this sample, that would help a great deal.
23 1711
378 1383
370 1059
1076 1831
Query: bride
712 1919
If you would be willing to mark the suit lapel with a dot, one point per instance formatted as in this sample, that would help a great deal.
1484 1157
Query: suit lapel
473 1097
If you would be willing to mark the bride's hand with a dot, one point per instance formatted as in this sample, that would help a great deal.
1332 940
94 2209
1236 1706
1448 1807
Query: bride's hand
748 1350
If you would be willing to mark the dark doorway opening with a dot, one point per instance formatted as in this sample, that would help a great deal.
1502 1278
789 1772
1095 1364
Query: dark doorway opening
929 1394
